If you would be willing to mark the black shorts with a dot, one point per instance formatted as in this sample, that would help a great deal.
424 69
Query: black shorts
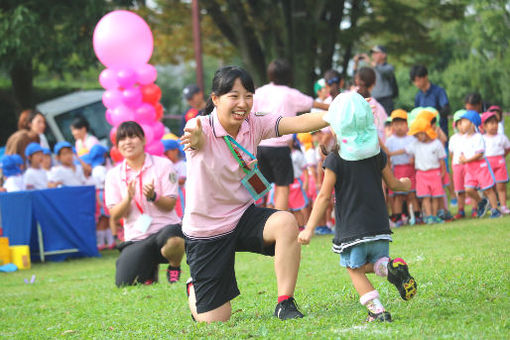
211 261
275 164
138 260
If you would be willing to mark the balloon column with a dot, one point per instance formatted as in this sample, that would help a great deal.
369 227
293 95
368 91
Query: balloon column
123 43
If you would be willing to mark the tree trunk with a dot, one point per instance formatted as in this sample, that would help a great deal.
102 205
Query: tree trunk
22 84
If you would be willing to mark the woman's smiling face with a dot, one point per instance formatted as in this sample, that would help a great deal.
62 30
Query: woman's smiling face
234 106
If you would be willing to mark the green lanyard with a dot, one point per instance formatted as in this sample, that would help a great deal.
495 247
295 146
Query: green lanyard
237 154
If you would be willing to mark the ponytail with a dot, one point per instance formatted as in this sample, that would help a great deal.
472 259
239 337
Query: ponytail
209 107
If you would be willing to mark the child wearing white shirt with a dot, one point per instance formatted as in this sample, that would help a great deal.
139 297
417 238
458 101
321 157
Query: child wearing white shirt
67 173
35 177
12 174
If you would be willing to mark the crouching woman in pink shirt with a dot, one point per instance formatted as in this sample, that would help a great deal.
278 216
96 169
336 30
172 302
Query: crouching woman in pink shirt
142 190
220 217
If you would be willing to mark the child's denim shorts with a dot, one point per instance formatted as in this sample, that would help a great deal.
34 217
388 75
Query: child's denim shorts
368 252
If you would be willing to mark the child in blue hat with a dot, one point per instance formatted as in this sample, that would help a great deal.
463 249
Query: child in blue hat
478 172
13 180
362 234
35 177
66 173
175 153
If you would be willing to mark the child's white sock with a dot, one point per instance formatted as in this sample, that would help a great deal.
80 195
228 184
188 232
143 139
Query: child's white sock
109 237
371 301
100 234
381 266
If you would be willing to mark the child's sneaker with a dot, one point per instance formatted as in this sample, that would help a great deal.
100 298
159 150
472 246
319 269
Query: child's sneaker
495 213
437 219
398 275
460 214
173 274
453 202
189 284
399 223
381 317
504 210
444 215
287 309
482 207
474 213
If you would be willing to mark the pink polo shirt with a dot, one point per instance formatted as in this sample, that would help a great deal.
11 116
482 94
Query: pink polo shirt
215 197
165 184
280 100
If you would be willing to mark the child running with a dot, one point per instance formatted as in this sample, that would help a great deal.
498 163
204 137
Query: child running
362 233
497 147
479 175
220 217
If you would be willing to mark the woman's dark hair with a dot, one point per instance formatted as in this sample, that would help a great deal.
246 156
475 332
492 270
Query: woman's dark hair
473 98
128 129
332 77
364 79
80 123
279 72
26 117
223 82
418 71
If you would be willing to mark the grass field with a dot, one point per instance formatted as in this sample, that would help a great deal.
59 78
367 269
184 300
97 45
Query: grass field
462 270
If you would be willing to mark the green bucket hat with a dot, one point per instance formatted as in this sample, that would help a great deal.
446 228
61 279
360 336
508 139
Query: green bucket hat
351 118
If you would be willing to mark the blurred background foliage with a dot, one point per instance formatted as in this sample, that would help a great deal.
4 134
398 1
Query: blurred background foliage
46 47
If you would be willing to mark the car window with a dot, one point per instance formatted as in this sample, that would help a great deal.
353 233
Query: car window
93 113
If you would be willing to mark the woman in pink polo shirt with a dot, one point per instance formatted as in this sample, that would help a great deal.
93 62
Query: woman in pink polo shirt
142 190
220 217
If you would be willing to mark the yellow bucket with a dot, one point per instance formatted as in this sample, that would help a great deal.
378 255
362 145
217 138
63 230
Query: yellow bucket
5 253
20 256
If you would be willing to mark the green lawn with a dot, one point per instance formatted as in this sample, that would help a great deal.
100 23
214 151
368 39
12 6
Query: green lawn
462 270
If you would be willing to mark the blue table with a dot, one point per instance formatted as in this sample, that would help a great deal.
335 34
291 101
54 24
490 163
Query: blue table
55 223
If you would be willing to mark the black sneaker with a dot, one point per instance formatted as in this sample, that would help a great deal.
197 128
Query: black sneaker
287 309
482 207
398 274
381 317
173 274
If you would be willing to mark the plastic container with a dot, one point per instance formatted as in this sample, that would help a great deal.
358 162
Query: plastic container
5 252
20 256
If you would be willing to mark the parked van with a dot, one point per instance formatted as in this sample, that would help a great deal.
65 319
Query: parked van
60 113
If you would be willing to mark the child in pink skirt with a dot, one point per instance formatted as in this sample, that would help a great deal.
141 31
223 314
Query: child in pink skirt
402 166
457 168
497 147
430 167
479 175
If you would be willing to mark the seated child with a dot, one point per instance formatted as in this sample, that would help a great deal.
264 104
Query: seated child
362 234
497 147
402 166
35 177
13 179
47 161
478 174
66 173
429 155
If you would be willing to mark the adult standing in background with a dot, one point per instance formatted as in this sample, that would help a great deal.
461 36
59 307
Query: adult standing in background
194 96
430 95
385 88
273 154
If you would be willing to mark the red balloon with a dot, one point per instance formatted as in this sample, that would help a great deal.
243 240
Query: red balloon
151 93
159 111
113 135
116 155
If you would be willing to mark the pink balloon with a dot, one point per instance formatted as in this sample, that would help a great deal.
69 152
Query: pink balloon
146 74
112 98
158 129
108 116
132 97
147 130
122 114
123 39
126 78
108 79
145 114
155 148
